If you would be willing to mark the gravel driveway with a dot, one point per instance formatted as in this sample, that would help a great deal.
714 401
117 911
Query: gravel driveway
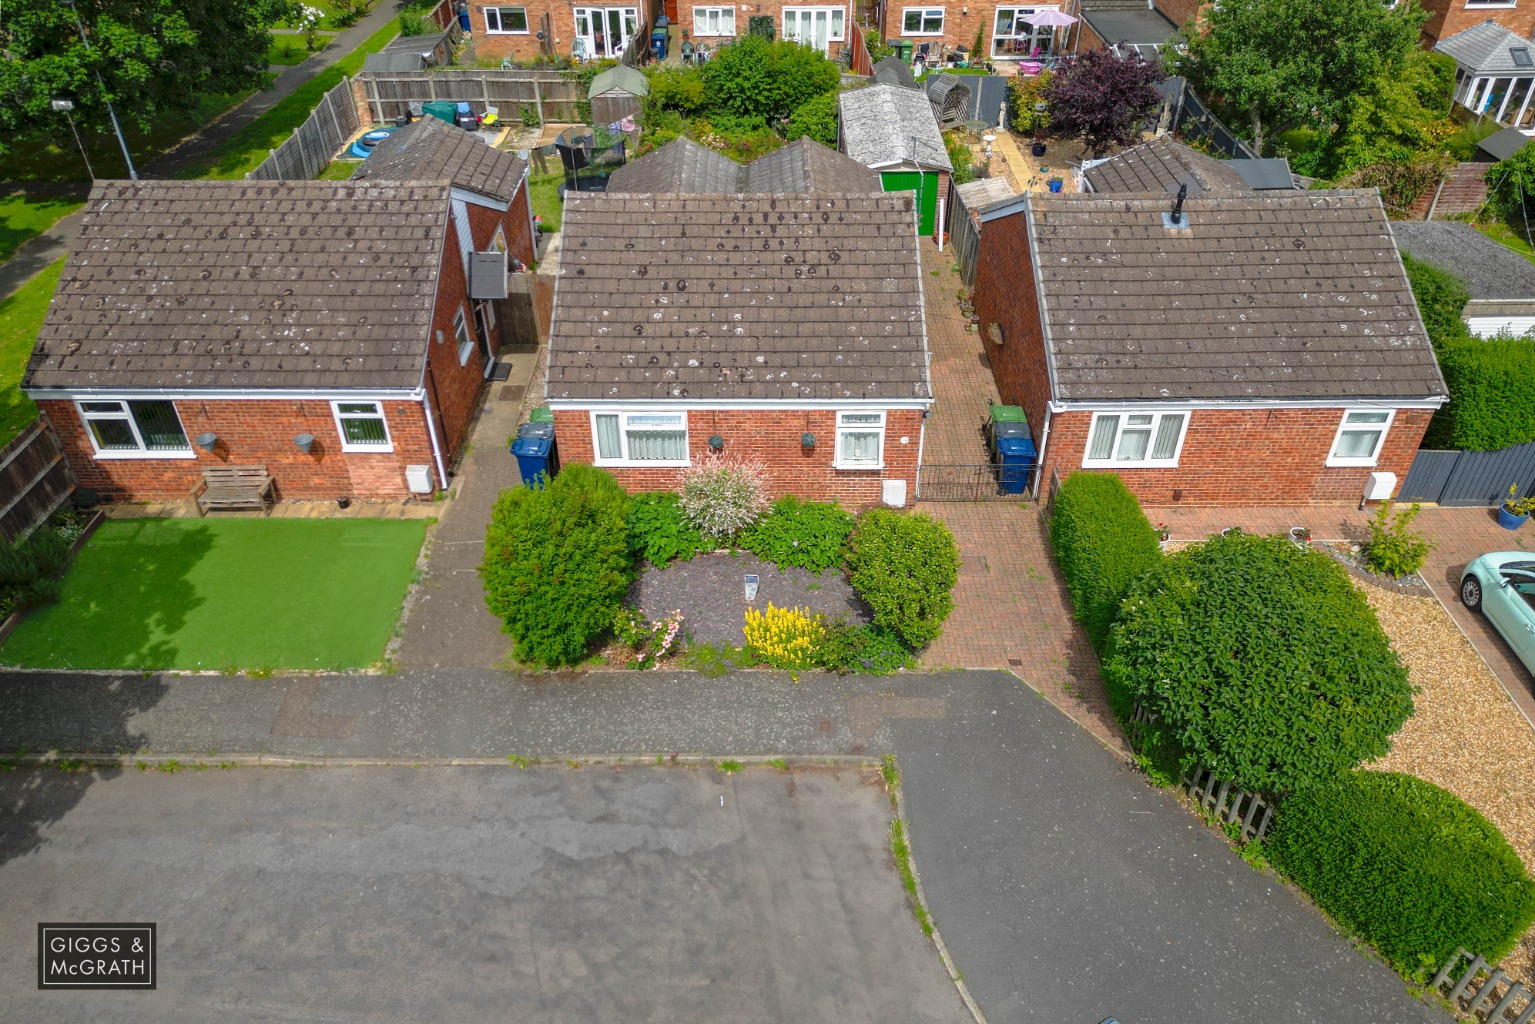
710 591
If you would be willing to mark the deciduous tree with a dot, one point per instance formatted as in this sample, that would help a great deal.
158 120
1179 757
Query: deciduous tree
1103 99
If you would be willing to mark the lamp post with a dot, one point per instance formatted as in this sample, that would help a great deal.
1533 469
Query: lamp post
64 106
110 112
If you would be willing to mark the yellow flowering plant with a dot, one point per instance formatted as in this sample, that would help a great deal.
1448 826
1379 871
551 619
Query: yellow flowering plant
786 638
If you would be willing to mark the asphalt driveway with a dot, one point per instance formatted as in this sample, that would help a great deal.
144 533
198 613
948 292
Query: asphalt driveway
479 894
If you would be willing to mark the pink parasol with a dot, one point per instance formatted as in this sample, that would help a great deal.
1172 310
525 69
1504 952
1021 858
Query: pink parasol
1053 18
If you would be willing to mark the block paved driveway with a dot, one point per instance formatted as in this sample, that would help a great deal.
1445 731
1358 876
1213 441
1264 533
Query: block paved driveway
1066 888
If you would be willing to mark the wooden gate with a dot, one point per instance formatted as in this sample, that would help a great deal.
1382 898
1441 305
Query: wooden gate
1469 479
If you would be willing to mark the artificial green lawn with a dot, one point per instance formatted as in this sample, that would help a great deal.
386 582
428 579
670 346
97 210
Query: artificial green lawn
21 315
224 594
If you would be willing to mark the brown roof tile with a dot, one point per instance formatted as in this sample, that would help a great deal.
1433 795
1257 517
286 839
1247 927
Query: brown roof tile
1264 295
692 297
1160 166
219 284
432 150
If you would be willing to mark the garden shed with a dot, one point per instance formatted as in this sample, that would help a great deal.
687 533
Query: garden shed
950 97
617 93
411 53
894 71
892 130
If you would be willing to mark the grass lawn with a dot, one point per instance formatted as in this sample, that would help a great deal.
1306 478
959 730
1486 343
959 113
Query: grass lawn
225 594
338 170
544 194
290 50
1505 235
20 317
23 217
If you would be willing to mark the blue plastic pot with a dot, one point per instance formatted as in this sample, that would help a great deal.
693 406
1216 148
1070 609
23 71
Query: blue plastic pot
1508 520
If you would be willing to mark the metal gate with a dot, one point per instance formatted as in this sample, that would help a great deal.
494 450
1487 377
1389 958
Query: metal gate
981 481
1467 479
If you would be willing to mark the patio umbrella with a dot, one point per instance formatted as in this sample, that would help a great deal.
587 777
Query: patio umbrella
1052 18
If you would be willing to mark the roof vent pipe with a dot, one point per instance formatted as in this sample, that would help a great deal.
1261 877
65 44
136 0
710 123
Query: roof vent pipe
1183 193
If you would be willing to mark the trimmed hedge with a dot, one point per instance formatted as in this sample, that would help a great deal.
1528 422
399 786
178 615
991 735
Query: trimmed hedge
1103 542
1492 395
557 563
1409 867
1261 661
905 565
809 534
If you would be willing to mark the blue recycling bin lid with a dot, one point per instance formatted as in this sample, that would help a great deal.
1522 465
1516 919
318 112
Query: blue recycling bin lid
533 447
1016 449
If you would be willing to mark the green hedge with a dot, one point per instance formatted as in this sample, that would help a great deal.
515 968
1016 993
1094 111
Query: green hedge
1103 542
1261 661
905 565
557 563
1405 865
1492 395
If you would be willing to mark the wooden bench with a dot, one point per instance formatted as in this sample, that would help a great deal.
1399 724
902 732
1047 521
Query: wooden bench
235 487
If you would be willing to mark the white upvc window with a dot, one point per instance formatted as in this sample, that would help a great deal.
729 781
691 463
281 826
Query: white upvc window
860 440
461 334
134 430
714 21
1130 440
1360 437
922 21
362 426
506 20
815 26
640 438
1013 36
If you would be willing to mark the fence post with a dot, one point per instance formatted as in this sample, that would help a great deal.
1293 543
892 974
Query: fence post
334 120
538 102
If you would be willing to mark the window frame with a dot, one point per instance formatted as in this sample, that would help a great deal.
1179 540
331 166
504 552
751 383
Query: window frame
1088 462
830 9
500 31
923 13
125 415
462 335
356 446
1042 37
700 31
840 430
623 438
1359 461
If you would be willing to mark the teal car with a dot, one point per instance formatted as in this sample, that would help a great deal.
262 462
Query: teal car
1501 586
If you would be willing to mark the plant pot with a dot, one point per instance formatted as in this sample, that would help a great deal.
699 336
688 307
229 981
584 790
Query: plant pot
1056 184
967 308
1299 537
1508 520
1037 149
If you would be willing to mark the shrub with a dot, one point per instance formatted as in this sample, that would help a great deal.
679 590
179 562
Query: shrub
1261 660
1407 866
1103 542
1441 297
905 564
817 118
677 87
810 534
743 139
863 650
557 564
723 495
1492 395
414 23
786 638
658 532
1394 548
959 155
647 642
753 77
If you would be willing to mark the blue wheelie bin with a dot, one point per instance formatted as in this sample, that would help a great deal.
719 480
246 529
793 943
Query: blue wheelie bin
1016 455
533 459
538 428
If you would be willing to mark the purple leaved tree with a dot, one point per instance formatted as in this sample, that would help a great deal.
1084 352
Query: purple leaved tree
1102 99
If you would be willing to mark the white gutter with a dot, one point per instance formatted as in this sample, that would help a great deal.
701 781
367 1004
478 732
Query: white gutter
431 432
1195 404
736 404
190 394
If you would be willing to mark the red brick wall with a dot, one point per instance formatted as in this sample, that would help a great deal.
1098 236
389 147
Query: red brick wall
1248 457
1004 294
454 389
1179 12
255 433
773 437
1447 17
1086 39
523 46
958 27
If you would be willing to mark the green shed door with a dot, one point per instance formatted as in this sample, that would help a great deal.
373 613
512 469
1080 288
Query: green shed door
907 181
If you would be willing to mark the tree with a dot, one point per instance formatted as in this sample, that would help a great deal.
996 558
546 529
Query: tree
753 77
1279 64
817 118
1260 662
1399 117
1103 99
149 58
1511 186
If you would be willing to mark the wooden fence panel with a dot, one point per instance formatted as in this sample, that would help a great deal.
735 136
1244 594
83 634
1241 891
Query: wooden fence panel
34 481
549 93
1469 479
304 154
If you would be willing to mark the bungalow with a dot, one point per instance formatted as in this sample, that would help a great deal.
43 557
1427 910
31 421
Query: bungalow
783 328
1501 282
336 332
1229 349
1162 165
893 131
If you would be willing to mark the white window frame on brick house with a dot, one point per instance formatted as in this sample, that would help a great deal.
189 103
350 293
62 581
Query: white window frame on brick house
462 336
703 16
1130 426
1016 44
923 16
848 427
616 427
343 410
93 411
836 25
499 27
1359 422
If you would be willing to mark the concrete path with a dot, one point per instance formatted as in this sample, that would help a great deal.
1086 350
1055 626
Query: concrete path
38 253
1065 887
479 894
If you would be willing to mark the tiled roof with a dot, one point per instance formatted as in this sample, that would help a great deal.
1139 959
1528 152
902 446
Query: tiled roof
1160 166
885 125
1487 49
1490 270
680 298
1263 296
431 150
683 166
245 284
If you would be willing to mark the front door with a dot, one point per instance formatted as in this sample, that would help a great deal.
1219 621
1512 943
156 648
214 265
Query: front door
606 31
484 321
